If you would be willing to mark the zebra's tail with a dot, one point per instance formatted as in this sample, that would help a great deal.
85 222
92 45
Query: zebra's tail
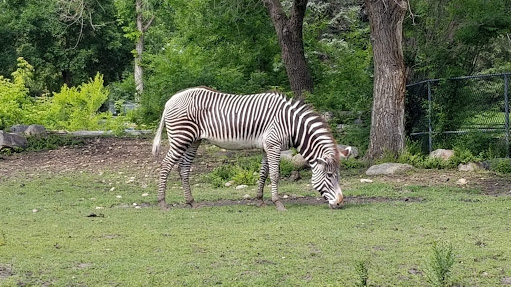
157 137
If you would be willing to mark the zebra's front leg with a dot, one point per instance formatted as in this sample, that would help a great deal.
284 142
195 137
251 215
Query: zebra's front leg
273 166
184 172
263 175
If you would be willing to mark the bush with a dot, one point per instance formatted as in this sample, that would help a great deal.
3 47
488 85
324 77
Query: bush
76 108
16 105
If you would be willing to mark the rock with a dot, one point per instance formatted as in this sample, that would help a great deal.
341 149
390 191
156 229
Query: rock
36 130
241 186
388 169
469 167
18 129
365 180
461 181
506 281
295 175
444 154
299 162
287 154
229 183
246 196
8 140
145 194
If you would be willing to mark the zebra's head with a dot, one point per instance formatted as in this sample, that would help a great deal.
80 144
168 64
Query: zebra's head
325 179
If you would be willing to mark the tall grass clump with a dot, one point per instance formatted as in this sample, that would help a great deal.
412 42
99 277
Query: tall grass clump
440 265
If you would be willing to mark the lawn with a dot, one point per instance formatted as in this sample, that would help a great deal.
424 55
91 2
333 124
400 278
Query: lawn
73 229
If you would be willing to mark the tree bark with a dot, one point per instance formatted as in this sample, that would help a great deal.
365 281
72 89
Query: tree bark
387 119
139 71
289 33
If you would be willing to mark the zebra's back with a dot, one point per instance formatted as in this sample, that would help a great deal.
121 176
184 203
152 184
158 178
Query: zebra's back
227 120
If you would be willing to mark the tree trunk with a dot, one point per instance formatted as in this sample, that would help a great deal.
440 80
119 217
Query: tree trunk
387 120
289 33
139 71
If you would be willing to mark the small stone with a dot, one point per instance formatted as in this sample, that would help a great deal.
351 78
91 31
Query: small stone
135 204
112 189
285 196
241 186
35 210
99 207
145 194
246 196
461 181
119 196
131 179
365 180
138 207
229 183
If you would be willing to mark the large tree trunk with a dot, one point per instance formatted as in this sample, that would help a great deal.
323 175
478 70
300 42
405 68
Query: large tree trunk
142 28
387 120
289 33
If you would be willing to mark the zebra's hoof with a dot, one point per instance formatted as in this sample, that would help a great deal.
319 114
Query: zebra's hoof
163 206
193 204
280 206
261 203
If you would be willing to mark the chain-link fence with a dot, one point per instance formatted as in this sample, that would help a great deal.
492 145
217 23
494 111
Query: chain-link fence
470 112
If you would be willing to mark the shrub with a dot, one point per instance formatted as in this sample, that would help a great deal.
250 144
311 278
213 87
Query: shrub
442 260
16 105
76 108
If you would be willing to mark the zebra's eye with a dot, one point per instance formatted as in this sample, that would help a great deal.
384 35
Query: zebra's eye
330 174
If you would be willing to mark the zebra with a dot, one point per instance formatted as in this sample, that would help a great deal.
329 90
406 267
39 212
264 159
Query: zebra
268 121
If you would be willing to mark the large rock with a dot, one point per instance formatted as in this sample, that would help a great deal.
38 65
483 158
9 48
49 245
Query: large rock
470 167
18 129
287 154
388 169
8 140
299 162
444 154
36 130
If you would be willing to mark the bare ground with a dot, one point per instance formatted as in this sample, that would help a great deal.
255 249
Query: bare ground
103 154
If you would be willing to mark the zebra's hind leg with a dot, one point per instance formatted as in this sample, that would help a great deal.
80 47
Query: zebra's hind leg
263 175
273 166
168 163
184 172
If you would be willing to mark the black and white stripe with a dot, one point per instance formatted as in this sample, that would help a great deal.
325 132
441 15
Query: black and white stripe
267 121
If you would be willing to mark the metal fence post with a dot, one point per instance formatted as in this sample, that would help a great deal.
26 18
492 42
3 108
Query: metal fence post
430 135
506 107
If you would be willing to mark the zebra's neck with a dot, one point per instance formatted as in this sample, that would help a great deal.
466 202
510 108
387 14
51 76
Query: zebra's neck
310 135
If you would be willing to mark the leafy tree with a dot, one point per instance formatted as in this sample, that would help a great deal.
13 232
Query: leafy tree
228 47
66 41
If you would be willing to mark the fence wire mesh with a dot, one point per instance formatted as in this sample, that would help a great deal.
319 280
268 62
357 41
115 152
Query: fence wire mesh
466 112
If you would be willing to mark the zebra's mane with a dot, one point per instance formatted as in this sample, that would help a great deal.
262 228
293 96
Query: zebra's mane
309 109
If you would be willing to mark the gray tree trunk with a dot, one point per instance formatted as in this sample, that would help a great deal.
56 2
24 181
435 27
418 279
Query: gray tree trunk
142 28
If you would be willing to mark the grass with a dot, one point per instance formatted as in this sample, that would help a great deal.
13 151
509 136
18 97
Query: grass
60 245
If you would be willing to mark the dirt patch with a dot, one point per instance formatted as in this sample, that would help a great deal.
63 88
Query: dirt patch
349 201
5 272
133 156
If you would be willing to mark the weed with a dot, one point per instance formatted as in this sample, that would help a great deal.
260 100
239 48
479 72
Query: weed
442 260
363 275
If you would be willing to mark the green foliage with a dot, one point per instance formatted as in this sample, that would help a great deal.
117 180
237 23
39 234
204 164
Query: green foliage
352 163
286 167
76 108
15 102
440 265
66 42
363 273
52 142
502 165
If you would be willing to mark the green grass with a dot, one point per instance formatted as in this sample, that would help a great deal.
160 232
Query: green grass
309 245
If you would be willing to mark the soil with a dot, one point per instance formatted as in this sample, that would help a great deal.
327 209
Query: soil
134 155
